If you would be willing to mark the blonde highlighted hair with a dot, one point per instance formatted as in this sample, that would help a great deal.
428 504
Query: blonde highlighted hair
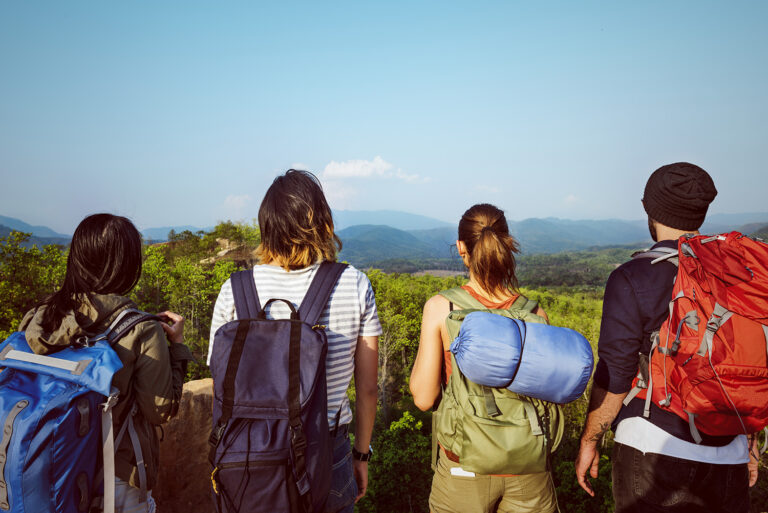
296 223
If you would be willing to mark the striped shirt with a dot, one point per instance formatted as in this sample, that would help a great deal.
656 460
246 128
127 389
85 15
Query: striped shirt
350 313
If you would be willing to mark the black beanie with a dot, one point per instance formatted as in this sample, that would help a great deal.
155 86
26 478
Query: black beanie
678 195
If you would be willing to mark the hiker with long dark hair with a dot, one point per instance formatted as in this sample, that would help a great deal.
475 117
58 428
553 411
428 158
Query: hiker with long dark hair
298 245
104 264
487 249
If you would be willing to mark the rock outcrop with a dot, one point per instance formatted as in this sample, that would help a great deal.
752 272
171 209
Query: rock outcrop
184 484
239 253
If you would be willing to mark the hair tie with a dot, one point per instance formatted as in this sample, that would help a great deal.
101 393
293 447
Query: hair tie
487 228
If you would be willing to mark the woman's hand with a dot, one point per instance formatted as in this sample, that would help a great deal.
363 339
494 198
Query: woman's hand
173 325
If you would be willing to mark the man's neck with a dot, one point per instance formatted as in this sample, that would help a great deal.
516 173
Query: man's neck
667 233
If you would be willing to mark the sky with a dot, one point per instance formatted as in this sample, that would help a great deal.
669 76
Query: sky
183 112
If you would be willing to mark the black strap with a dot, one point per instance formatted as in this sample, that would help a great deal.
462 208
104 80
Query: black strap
246 297
319 291
228 399
298 438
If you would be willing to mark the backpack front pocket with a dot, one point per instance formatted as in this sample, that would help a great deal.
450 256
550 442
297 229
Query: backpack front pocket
261 486
506 446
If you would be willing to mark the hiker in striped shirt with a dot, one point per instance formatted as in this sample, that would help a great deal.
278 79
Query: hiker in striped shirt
296 236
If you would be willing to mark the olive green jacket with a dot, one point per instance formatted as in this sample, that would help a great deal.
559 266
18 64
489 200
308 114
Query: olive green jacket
152 375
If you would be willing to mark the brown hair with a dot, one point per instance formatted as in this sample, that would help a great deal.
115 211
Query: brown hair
296 223
483 228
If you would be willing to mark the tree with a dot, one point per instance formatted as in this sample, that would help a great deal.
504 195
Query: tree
400 473
27 275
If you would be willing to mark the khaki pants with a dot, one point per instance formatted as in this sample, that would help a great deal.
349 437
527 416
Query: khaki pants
453 493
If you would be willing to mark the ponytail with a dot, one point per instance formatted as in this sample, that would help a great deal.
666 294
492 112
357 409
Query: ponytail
484 230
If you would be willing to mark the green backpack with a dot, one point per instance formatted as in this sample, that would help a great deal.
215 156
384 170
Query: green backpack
493 430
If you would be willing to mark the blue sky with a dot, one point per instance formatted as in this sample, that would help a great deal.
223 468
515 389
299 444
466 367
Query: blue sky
183 112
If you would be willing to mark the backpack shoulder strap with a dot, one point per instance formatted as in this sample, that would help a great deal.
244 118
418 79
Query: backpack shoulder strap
319 291
244 292
525 304
462 299
124 322
657 255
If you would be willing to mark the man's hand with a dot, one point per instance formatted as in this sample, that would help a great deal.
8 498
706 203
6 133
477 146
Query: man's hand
603 408
361 476
587 460
754 462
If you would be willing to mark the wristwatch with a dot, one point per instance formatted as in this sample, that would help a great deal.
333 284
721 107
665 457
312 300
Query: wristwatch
362 456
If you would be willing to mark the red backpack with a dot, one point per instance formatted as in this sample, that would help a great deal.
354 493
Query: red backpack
709 359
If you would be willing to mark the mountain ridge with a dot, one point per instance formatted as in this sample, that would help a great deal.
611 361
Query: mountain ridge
367 243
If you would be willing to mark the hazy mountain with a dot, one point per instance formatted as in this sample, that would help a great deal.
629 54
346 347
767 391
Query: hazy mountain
551 235
396 219
39 231
759 230
161 234
719 223
375 236
34 239
442 241
364 244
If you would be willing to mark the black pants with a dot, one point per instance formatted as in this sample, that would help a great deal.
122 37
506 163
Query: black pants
657 483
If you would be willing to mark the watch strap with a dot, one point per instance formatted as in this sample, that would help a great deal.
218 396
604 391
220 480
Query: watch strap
362 456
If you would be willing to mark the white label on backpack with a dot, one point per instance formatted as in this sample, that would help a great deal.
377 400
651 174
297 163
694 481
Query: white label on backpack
458 471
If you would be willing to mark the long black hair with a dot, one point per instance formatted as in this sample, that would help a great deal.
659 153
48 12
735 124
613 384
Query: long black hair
104 258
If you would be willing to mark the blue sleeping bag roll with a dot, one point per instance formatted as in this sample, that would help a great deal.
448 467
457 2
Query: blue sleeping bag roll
535 360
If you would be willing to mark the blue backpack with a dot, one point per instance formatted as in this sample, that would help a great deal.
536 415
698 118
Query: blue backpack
55 413
271 449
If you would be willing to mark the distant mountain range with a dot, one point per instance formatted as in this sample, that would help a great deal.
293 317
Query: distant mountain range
39 231
401 220
369 237
161 234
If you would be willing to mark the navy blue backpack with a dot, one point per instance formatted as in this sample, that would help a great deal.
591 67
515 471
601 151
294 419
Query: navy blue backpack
56 418
271 449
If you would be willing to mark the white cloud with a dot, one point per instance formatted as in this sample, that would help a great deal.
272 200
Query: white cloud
299 166
410 178
237 202
570 199
377 168
358 168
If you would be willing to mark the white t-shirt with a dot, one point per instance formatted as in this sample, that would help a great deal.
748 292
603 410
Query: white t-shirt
350 313
645 436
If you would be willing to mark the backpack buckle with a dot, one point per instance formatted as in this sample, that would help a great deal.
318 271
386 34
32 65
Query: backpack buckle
216 435
80 342
298 440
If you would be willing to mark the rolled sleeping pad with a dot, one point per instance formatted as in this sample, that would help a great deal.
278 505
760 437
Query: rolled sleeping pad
535 360
488 347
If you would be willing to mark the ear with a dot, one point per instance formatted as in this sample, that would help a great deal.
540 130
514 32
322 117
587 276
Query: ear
461 247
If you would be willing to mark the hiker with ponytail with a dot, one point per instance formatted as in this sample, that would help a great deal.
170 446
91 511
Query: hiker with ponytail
488 251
